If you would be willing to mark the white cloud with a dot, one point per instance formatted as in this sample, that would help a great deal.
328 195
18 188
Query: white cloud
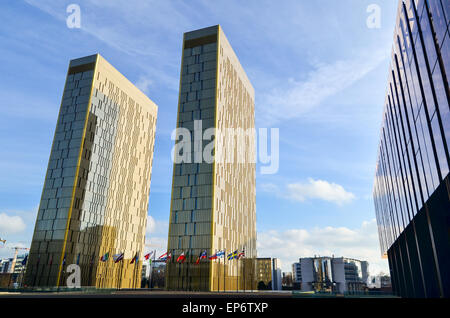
311 190
11 224
325 80
156 226
134 29
156 236
7 251
360 243
150 224
144 84
319 189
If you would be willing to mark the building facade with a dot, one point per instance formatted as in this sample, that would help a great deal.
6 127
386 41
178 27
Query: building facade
268 273
381 281
330 274
263 273
213 206
276 274
412 185
95 197
287 280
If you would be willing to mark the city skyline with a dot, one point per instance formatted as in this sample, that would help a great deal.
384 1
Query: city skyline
322 193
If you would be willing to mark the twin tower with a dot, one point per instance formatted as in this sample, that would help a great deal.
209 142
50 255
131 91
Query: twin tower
93 209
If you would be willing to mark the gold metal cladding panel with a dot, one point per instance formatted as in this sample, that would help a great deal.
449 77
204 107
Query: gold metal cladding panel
191 200
234 183
129 184
231 212
97 184
49 239
263 271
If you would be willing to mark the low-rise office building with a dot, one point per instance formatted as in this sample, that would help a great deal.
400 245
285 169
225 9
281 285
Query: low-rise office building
330 274
268 273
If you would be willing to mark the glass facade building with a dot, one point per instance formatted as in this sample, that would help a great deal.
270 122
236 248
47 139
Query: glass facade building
213 205
96 190
412 186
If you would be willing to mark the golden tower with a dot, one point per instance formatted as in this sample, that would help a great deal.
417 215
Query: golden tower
96 189
213 206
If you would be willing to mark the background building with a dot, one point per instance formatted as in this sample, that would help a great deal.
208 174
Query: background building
96 189
412 185
12 271
287 280
268 273
276 274
380 282
263 277
330 274
213 204
153 275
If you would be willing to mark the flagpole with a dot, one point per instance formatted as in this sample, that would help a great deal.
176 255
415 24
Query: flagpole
150 274
121 271
237 282
136 282
224 267
151 265
134 273
189 270
245 277
218 274
150 271
118 274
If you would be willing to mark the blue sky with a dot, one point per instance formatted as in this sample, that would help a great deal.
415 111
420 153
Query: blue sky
319 75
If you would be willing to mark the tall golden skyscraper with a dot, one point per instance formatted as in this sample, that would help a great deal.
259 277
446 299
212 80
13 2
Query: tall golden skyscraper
213 206
95 197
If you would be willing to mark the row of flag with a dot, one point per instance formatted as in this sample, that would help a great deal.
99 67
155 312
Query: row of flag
119 257
181 258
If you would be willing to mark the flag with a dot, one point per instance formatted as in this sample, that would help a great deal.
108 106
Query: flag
219 254
118 257
202 256
166 256
135 258
232 255
64 260
51 260
241 255
147 256
214 256
181 258
24 261
78 259
105 257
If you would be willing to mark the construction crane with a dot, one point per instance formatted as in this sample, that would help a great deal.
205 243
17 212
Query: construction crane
13 264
